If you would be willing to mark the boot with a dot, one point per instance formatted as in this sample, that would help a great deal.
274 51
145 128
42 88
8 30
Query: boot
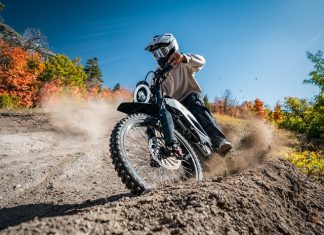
224 147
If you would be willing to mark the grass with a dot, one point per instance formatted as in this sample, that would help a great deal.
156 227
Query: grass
229 120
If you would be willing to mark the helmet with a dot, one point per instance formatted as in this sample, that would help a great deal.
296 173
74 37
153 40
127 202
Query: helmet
162 47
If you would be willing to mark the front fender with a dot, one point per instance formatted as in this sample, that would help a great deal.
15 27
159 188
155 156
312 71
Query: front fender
134 107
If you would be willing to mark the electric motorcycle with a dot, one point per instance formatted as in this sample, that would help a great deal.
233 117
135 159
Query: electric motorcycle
159 141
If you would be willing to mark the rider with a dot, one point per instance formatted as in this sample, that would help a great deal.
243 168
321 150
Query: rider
181 84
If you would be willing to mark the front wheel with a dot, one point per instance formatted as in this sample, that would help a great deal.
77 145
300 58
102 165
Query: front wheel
140 157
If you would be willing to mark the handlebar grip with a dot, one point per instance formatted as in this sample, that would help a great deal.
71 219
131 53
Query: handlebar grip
167 68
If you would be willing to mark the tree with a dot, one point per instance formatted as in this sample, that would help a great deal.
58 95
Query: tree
19 71
229 100
295 114
225 104
277 113
316 116
258 107
34 39
1 9
303 117
317 75
60 67
1 6
206 102
94 73
117 87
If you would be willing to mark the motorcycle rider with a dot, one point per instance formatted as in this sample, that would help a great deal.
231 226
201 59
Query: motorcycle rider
181 84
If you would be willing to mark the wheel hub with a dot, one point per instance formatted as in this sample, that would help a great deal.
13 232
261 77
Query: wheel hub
158 156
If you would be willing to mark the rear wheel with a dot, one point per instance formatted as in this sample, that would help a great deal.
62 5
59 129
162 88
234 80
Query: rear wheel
141 159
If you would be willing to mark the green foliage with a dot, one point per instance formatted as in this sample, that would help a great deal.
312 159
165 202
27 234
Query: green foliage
303 116
60 67
206 102
294 117
1 6
92 70
8 102
317 75
315 126
117 87
310 163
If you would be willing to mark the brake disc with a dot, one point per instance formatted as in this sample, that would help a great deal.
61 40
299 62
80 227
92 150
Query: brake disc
167 162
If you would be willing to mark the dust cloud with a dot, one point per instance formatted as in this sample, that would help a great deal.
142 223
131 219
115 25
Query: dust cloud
253 143
90 120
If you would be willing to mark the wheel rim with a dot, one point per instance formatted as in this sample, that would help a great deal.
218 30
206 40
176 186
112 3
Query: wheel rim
168 171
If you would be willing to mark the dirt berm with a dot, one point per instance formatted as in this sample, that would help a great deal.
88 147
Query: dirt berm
272 199
57 178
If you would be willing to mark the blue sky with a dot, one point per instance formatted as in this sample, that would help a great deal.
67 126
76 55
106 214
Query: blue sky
255 48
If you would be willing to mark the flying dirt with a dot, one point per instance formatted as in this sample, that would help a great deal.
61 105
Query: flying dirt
57 177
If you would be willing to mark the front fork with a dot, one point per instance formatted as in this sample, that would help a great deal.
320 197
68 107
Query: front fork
166 121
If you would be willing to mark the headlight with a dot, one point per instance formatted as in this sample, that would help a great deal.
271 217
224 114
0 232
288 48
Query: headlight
142 93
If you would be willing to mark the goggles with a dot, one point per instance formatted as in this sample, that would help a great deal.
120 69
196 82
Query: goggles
162 52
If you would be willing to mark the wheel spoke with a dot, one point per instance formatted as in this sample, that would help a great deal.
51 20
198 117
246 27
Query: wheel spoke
187 171
138 146
137 157
169 171
136 140
174 176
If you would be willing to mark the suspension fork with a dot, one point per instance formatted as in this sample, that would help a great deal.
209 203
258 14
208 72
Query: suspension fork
166 119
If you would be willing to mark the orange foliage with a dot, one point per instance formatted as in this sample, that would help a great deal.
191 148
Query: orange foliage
277 113
247 107
53 91
19 71
258 107
221 107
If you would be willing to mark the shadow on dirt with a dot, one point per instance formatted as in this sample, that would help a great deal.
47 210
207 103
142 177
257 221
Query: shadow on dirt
23 213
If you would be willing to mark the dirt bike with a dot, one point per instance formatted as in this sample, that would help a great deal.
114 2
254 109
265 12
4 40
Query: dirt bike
159 140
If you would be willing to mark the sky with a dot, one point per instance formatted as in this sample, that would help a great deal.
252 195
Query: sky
255 48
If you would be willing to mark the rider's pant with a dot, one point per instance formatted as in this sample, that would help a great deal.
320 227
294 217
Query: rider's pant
194 103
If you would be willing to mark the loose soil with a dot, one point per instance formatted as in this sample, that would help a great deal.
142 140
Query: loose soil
56 181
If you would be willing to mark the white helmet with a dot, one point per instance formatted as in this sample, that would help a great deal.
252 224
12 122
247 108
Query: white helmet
162 46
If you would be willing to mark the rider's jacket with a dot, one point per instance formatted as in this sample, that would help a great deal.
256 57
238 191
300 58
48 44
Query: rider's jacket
181 80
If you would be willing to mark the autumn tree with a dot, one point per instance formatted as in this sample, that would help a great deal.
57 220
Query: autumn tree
258 108
34 39
277 113
94 73
19 71
70 73
226 104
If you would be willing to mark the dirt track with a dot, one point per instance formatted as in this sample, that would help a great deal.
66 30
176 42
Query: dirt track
54 181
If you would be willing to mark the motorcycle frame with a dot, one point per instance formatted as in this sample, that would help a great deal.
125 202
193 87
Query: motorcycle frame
172 114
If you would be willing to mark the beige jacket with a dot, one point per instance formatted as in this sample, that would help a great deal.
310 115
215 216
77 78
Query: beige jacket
181 80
